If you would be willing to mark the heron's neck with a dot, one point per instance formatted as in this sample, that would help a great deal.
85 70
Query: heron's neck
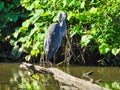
63 24
63 27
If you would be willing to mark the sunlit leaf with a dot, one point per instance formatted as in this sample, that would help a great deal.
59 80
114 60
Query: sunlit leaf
45 14
55 19
28 86
64 3
72 33
115 85
33 52
69 15
35 76
115 51
38 25
23 39
29 43
33 31
93 32
72 3
16 33
26 23
36 16
23 29
83 4
93 10
27 58
104 49
36 4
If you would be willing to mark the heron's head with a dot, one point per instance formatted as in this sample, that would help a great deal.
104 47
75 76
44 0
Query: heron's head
62 16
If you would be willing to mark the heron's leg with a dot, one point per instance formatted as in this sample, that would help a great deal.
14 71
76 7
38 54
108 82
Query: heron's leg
54 59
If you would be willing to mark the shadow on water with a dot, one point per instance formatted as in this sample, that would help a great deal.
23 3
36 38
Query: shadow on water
104 73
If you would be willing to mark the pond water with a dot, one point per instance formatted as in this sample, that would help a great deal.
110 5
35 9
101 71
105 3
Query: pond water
105 73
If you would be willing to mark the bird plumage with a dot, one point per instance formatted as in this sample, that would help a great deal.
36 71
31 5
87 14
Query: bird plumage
54 37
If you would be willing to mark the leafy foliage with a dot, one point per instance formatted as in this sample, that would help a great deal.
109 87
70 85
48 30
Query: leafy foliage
103 28
97 22
113 86
11 16
10 13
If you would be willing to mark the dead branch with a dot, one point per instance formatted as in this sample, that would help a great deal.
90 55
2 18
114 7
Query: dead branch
69 82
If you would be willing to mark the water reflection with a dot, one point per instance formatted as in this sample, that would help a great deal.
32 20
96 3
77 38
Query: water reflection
104 73
5 75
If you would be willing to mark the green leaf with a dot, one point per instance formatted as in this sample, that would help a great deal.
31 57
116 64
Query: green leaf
72 33
93 32
55 19
69 15
83 4
37 25
26 23
14 17
64 3
33 52
36 16
27 58
37 4
93 10
17 2
29 86
23 29
72 3
45 14
115 86
104 48
14 50
115 51
81 17
1 5
23 39
33 31
85 40
16 33
35 76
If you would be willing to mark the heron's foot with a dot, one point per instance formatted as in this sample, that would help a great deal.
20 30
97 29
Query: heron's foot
46 64
49 64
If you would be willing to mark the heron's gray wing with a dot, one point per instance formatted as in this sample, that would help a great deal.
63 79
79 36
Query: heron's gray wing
52 40
51 35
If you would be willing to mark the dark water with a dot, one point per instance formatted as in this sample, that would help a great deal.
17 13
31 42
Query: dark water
104 73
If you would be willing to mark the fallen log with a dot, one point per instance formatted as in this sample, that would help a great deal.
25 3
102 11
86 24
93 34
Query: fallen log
69 82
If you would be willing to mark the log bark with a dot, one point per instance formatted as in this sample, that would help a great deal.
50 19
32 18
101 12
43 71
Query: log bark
69 82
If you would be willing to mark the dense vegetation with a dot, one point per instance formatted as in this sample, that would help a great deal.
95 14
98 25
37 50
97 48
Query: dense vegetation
93 28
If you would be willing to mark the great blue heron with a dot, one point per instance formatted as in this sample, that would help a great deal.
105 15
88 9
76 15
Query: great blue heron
54 36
